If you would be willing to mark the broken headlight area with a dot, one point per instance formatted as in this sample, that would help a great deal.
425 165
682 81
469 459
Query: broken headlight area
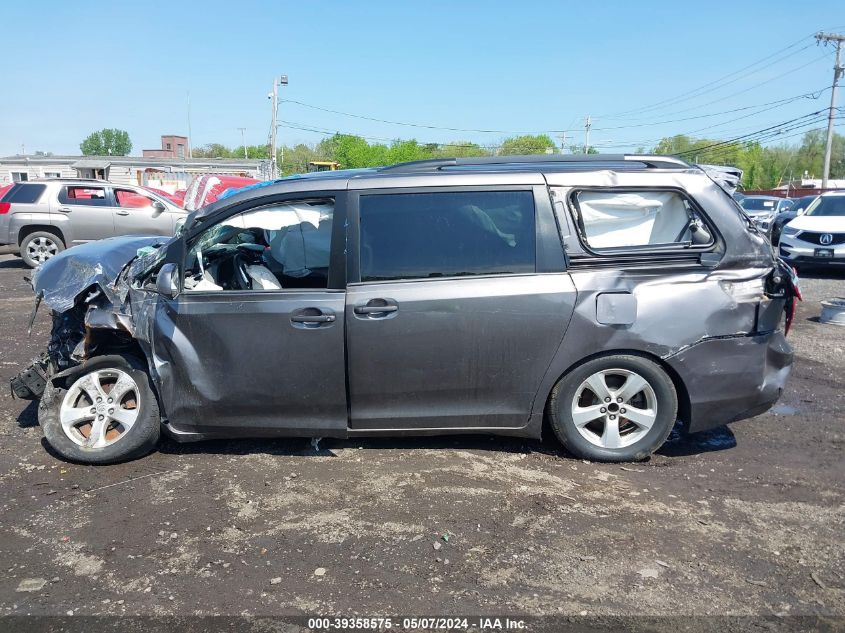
91 328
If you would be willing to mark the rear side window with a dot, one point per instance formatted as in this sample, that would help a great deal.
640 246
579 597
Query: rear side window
629 219
431 235
90 196
24 194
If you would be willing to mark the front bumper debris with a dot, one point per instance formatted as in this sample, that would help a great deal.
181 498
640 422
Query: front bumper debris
29 384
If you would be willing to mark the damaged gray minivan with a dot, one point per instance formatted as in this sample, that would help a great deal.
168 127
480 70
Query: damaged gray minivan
605 296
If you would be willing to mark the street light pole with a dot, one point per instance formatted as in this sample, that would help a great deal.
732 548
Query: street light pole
274 97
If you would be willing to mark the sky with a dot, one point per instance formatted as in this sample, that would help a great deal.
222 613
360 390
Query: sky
640 70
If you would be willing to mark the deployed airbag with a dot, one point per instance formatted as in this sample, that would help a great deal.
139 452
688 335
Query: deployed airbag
632 219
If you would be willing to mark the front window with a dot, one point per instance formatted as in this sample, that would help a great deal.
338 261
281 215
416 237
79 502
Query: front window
625 219
827 206
273 247
128 199
433 235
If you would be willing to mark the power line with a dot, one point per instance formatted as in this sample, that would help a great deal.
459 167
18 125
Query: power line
419 125
807 95
759 133
710 85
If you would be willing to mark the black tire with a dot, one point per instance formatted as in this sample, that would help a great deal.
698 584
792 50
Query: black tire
560 412
32 245
140 439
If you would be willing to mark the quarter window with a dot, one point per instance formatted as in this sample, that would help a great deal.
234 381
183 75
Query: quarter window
627 219
433 235
24 193
89 196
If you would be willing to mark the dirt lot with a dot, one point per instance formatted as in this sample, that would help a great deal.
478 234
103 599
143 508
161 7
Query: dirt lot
743 520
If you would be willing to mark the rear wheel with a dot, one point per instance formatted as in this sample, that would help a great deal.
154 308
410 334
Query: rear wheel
39 246
105 415
614 408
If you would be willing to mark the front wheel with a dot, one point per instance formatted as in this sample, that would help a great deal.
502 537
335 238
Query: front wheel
105 415
614 408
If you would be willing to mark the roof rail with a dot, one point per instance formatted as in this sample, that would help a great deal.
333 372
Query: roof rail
54 178
436 164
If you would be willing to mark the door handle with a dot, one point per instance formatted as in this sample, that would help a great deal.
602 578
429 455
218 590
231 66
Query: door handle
316 318
65 209
374 309
122 212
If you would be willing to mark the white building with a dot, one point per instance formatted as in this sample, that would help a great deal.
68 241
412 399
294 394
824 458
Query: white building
169 174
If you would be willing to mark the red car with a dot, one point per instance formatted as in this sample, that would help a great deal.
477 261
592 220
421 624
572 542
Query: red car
207 188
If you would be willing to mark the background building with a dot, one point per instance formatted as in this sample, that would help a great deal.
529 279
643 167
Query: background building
169 174
172 146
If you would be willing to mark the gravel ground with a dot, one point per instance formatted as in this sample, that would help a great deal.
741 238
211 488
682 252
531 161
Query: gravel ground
746 520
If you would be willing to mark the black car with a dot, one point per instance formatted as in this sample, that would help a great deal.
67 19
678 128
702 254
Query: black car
785 217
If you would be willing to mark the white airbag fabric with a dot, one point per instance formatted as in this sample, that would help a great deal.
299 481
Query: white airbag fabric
632 219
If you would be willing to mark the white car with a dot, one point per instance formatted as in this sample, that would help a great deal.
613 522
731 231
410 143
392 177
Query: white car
818 235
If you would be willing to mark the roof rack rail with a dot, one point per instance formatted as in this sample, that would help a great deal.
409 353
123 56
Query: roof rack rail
50 178
436 164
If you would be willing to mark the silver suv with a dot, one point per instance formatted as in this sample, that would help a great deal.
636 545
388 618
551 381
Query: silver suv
43 217
602 298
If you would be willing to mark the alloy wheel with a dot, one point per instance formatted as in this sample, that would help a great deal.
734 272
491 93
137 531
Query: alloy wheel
100 408
614 408
41 249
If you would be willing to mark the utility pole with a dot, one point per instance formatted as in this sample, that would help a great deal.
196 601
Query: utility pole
562 138
243 141
837 73
190 139
587 127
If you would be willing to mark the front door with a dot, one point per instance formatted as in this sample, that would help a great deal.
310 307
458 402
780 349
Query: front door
449 324
88 210
134 214
254 342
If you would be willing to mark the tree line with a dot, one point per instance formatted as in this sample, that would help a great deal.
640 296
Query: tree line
764 167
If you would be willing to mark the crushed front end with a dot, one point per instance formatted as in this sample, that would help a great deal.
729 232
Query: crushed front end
86 289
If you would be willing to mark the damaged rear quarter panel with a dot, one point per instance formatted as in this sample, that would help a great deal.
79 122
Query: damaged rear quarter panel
682 309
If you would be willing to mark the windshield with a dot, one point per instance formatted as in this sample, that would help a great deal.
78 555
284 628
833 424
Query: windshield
758 204
827 206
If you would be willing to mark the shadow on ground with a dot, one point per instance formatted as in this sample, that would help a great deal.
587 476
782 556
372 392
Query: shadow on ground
14 263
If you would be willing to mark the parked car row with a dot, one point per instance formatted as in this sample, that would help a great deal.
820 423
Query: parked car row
816 235
809 230
44 217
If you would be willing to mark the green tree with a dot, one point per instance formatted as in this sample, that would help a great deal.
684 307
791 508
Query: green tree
811 154
528 144
215 150
460 149
106 142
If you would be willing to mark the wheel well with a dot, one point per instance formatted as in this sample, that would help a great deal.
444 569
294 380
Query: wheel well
684 406
34 228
